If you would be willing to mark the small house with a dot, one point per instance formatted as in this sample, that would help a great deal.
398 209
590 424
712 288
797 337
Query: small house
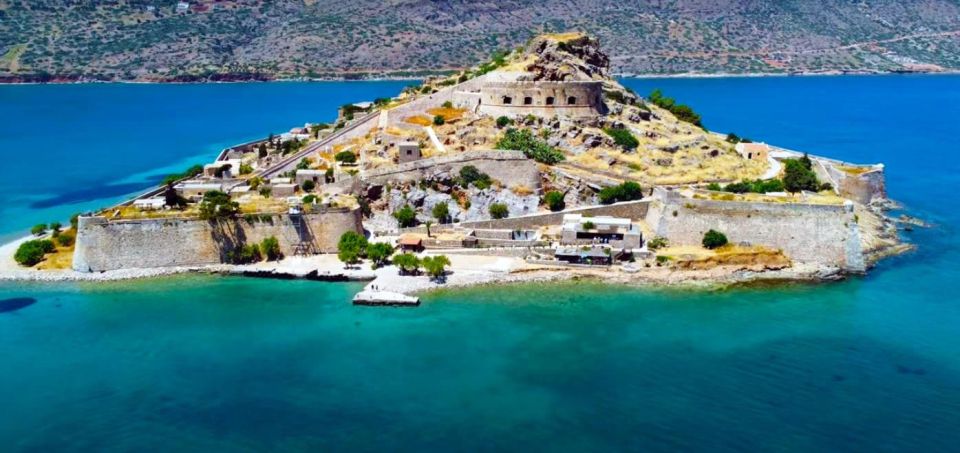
410 243
753 151
408 152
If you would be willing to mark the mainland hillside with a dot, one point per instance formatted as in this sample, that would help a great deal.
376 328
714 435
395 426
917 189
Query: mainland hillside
252 39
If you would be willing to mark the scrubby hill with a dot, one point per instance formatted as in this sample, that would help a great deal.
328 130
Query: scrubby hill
225 39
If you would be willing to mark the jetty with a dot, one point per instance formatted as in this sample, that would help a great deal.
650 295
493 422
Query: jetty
371 297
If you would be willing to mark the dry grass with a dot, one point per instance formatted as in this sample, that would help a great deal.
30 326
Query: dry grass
419 120
448 113
130 212
853 171
62 258
521 190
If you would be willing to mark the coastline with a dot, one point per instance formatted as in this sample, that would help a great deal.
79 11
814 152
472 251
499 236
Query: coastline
683 75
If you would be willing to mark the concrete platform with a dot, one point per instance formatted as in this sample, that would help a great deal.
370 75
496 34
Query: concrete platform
369 297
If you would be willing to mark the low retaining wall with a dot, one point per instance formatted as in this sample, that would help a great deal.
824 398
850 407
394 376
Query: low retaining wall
118 244
825 234
511 168
636 210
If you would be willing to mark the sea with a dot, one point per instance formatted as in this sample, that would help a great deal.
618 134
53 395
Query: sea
207 363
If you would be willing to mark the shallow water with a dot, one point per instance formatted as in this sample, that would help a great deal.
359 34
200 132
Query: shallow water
231 364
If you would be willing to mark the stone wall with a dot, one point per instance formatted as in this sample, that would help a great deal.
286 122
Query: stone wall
636 210
862 188
511 168
824 234
546 99
117 244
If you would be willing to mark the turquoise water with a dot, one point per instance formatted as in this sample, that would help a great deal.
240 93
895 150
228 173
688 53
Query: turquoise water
228 364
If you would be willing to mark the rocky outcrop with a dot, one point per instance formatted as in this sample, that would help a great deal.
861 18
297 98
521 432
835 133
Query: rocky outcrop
561 58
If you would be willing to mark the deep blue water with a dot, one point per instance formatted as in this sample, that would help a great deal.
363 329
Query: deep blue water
229 364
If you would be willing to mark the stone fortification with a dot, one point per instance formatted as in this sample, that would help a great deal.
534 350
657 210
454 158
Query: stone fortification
823 234
511 168
540 98
636 210
860 187
117 244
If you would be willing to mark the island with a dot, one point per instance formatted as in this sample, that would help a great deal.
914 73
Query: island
536 165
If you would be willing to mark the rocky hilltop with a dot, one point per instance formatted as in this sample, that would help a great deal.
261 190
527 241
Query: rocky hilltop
250 39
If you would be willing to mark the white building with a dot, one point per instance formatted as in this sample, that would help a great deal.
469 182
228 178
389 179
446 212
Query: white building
615 231
150 204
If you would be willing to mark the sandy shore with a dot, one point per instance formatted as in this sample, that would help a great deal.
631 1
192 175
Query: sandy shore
464 271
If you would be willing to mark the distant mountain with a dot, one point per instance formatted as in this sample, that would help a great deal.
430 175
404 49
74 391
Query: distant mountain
244 39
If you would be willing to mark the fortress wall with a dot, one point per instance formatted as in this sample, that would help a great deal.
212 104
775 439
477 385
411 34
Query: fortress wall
636 210
116 244
511 168
824 234
862 188
489 98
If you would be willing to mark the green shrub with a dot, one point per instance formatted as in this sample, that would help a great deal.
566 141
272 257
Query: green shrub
554 201
38 229
657 243
74 221
503 122
714 187
308 185
441 212
623 137
681 111
471 175
270 248
447 105
406 216
245 169
499 211
245 254
310 199
346 157
534 148
194 170
626 191
588 225
714 239
438 120
66 239
31 252
662 259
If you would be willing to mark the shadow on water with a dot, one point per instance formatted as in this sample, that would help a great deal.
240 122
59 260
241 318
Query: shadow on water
93 193
15 303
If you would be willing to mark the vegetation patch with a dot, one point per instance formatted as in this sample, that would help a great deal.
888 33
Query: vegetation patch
532 147
683 112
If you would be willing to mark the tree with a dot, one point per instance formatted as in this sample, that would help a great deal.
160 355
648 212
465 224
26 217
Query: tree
247 253
503 122
345 157
588 225
797 176
436 266
499 211
624 192
66 239
172 199
38 229
74 220
408 263
217 205
441 212
554 201
270 248
304 164
245 169
308 185
351 247
406 216
714 239
262 150
438 120
379 253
